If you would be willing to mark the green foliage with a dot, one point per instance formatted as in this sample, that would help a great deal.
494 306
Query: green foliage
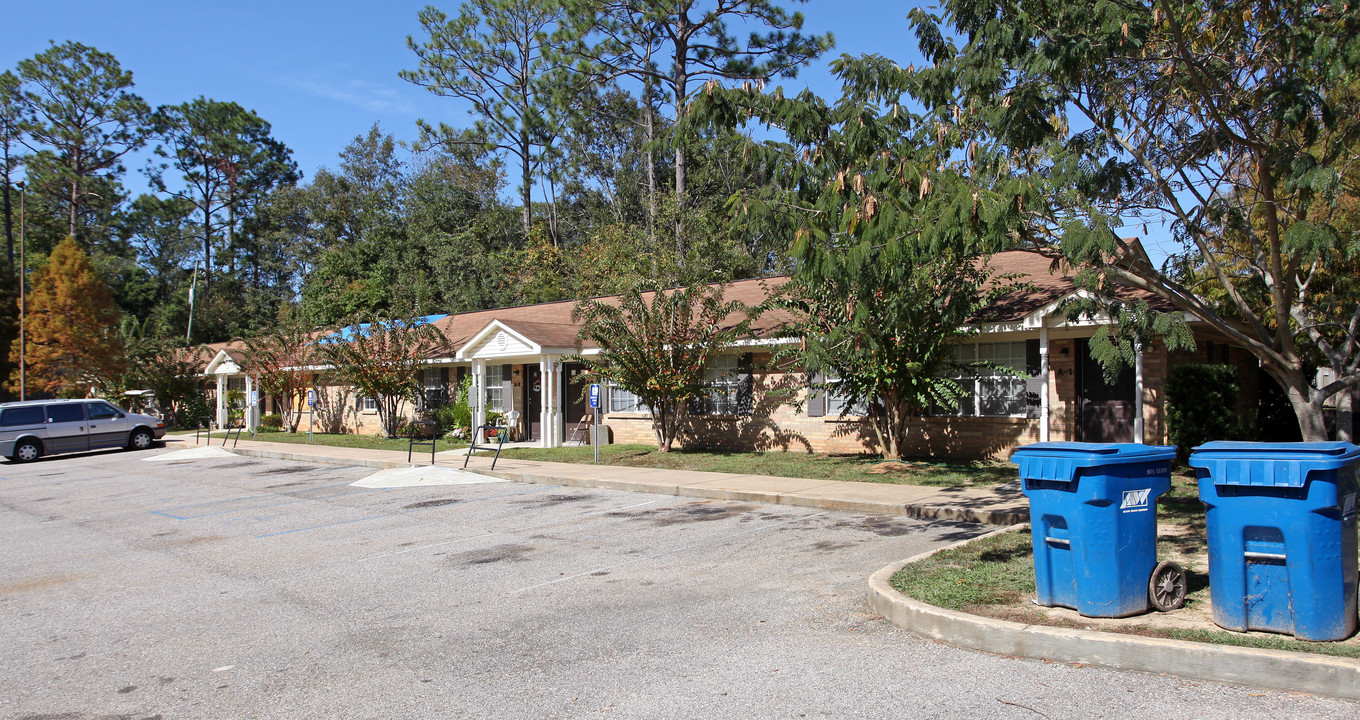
1201 405
280 361
80 118
382 357
272 422
456 413
657 343
497 55
1236 121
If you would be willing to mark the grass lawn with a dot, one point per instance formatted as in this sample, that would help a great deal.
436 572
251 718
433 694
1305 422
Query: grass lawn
368 442
861 468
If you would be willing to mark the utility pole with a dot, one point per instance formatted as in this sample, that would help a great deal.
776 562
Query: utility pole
23 272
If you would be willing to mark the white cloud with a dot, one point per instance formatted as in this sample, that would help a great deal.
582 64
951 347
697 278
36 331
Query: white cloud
373 97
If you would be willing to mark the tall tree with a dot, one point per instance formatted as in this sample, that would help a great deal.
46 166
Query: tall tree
72 326
496 55
658 344
1235 121
79 105
675 47
227 160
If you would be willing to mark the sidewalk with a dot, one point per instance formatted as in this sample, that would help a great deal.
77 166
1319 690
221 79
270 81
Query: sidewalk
1000 506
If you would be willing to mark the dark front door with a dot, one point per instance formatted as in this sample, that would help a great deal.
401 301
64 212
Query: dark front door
533 401
1105 411
576 402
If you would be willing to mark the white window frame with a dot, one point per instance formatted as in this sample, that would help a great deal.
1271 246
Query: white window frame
368 404
986 390
622 400
722 380
494 389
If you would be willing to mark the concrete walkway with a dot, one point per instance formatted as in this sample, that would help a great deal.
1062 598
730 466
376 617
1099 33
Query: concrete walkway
999 506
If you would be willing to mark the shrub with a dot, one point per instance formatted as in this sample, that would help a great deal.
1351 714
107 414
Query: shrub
272 422
456 413
1201 405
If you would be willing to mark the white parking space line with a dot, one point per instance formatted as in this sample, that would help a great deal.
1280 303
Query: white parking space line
508 532
634 561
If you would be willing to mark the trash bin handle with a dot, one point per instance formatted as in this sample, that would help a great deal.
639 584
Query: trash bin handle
1058 541
1252 555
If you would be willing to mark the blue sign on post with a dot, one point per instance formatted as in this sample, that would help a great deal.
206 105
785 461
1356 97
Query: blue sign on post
311 398
595 395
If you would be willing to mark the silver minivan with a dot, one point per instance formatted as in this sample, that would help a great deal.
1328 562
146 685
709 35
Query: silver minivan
31 429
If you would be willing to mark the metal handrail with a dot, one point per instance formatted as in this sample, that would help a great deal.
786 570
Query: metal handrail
501 432
434 438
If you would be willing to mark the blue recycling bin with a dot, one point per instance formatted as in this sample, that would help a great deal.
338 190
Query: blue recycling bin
1093 515
1282 536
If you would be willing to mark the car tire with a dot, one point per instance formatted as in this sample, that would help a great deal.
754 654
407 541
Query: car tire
26 451
140 440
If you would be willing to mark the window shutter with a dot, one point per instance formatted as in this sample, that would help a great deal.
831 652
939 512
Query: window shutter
746 384
816 397
1034 368
507 389
444 385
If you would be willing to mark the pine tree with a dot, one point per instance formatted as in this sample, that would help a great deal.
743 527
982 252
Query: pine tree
71 326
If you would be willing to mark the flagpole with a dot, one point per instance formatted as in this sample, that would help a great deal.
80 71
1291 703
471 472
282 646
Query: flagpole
192 284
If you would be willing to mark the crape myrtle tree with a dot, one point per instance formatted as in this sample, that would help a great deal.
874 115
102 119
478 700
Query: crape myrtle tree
1234 121
282 361
382 357
890 240
656 344
672 48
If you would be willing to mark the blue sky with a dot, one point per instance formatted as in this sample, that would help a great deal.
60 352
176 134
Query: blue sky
323 72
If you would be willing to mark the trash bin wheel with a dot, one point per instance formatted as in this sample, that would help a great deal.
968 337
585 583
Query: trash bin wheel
1167 587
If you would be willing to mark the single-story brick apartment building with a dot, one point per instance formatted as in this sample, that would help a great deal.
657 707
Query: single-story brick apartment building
517 359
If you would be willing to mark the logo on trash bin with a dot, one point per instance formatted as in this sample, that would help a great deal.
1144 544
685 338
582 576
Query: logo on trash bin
1348 506
1135 500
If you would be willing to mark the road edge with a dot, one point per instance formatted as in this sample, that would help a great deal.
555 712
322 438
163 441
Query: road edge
1250 667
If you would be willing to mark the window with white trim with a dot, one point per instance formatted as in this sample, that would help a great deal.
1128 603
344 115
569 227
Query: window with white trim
990 391
368 403
723 385
494 390
622 400
837 404
432 387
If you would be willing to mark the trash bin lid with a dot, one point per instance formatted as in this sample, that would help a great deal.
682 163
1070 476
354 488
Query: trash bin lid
1061 460
1270 464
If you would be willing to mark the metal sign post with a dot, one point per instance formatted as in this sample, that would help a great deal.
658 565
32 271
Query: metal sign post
595 427
254 403
311 413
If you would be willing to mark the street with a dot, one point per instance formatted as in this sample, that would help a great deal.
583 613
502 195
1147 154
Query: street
241 588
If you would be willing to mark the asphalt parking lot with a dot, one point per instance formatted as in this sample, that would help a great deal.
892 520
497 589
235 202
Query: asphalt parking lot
244 588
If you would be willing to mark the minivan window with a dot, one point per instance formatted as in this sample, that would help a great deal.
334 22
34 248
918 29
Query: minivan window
102 411
72 412
12 417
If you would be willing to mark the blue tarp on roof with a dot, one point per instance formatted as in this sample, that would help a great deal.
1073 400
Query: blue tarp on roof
346 334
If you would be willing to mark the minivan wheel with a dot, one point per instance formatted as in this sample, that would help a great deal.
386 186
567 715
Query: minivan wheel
26 451
141 440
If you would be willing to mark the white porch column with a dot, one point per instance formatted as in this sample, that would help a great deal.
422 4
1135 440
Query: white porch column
1043 383
250 412
478 393
544 402
221 400
557 419
1138 392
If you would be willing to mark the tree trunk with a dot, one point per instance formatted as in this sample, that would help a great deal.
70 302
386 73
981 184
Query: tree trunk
525 178
1345 420
651 164
74 197
1312 426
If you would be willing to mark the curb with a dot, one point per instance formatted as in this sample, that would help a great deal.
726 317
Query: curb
1250 667
951 513
919 512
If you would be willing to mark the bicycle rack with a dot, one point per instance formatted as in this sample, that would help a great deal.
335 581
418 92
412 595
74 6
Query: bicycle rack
501 432
237 430
204 423
420 427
